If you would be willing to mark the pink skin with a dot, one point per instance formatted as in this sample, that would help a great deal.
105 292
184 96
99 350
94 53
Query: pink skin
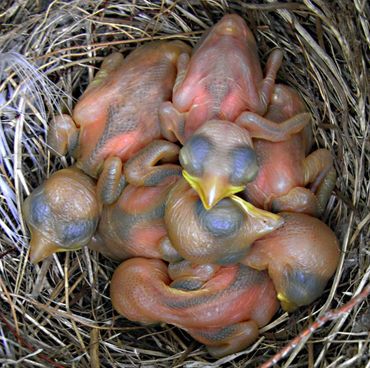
222 79
284 169
127 100
134 224
118 113
235 300
64 212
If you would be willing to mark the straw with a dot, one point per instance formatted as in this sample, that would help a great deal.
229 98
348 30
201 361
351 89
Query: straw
59 314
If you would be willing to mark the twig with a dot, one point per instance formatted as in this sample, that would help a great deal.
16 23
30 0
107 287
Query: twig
27 345
328 316
94 348
3 254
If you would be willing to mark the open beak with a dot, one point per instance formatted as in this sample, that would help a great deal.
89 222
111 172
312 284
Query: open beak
211 189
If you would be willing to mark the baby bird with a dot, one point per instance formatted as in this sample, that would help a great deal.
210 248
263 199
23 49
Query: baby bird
225 313
134 225
222 79
62 213
218 161
220 235
284 170
300 257
119 113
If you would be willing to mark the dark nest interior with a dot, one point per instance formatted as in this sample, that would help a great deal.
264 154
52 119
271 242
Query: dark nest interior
58 313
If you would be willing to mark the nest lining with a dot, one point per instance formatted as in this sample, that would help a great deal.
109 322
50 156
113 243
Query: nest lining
59 314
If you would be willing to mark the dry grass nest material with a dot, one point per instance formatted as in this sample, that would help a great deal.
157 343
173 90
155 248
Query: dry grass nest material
59 314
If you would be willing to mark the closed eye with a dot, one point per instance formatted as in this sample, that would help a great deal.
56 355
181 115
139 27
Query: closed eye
194 153
245 167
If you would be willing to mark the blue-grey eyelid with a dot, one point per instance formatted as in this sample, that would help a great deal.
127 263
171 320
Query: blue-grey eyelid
39 208
222 221
77 231
198 148
242 158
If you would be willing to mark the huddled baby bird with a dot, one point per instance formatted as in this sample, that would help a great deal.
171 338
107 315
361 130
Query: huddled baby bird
194 169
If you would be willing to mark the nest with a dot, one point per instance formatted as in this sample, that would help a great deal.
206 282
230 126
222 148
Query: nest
59 314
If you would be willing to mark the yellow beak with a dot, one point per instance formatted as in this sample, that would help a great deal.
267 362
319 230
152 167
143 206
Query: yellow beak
286 304
41 247
255 212
212 189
